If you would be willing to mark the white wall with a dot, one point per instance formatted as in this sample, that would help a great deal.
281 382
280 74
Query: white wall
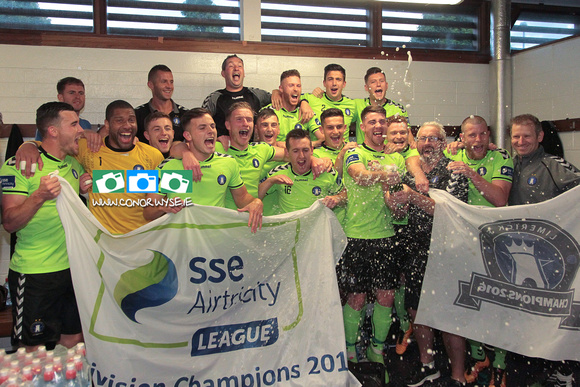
546 83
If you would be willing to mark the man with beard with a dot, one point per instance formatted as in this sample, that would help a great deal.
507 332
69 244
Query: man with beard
39 276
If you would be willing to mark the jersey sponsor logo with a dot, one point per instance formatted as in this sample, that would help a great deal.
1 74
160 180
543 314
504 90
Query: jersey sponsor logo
142 181
75 173
298 126
63 166
481 171
532 180
256 163
352 158
221 179
347 111
530 266
506 171
138 167
238 97
316 191
8 182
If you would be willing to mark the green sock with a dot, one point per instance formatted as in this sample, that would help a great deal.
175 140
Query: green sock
381 324
499 359
400 308
477 351
351 324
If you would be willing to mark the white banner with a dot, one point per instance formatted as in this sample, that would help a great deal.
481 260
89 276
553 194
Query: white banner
195 299
506 276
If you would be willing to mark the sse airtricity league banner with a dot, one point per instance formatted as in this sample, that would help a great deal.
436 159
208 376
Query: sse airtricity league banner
506 276
196 299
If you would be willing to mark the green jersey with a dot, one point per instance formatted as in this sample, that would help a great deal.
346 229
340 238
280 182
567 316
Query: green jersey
326 151
409 152
41 244
291 120
392 108
268 167
305 189
367 215
345 104
220 174
251 161
496 165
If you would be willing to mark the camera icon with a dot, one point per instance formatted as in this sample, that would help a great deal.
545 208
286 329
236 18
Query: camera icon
110 182
139 181
174 182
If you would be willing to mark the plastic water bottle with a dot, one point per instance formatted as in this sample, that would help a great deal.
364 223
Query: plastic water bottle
49 376
82 375
12 381
37 376
58 370
72 379
8 299
4 375
26 377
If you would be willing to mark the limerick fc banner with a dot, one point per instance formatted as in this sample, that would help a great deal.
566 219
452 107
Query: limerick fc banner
506 276
195 299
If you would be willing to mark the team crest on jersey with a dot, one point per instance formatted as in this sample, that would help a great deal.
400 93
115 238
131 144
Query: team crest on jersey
221 179
316 191
138 167
347 111
37 328
176 120
481 171
530 266
256 163
298 126
75 173
533 180
435 179
317 121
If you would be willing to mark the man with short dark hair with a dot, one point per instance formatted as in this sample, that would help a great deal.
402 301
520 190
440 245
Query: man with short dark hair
160 81
159 132
334 145
39 276
376 85
294 183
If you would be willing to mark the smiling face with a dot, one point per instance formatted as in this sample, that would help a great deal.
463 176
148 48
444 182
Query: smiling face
74 95
69 133
162 85
122 128
334 84
300 153
267 129
376 85
429 144
475 137
234 74
240 124
201 135
374 127
397 134
291 89
159 133
333 129
525 140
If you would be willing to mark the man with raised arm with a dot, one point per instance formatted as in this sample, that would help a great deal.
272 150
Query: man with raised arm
45 309
369 264
160 81
221 173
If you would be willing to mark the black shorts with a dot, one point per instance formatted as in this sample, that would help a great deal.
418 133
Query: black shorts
414 274
44 307
368 265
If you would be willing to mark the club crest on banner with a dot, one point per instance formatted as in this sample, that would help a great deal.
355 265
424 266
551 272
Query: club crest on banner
530 266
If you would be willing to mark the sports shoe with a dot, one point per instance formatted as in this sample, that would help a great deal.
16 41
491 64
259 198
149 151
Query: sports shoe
497 378
422 375
474 368
559 380
403 340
